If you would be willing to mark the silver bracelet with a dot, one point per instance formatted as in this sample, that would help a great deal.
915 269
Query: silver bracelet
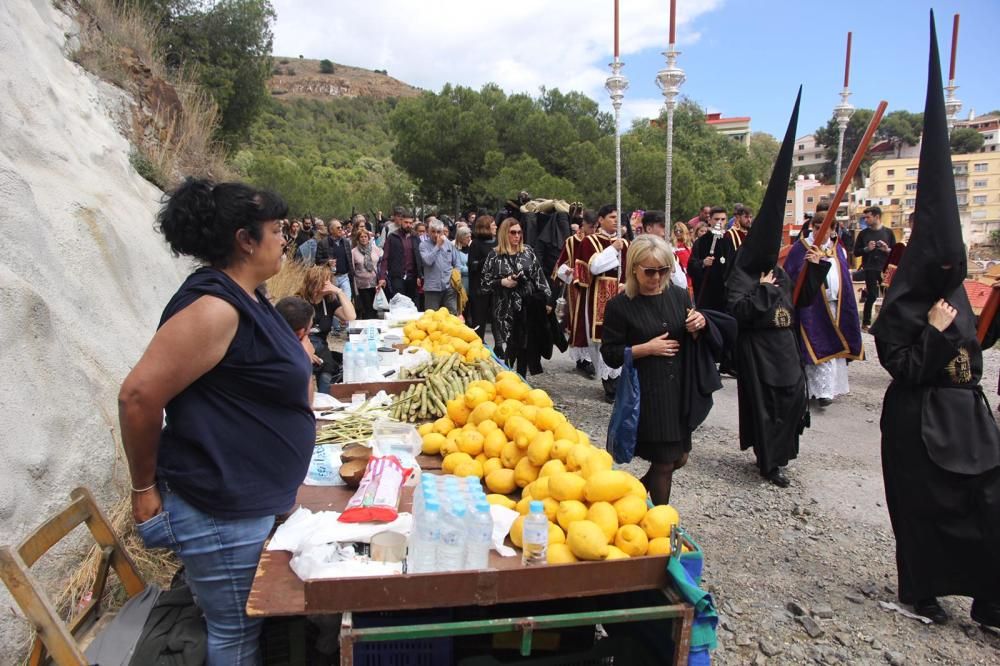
142 490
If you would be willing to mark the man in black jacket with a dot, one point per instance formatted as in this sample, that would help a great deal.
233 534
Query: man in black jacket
712 256
873 246
335 252
400 271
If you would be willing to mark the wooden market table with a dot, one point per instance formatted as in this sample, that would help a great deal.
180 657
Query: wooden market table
277 591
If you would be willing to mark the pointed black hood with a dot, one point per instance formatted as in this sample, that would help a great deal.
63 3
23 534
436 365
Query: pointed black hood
936 240
759 252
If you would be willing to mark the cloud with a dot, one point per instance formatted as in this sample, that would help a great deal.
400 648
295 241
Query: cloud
650 107
518 44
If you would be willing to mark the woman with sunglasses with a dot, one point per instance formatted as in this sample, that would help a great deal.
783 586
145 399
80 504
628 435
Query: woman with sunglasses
655 319
513 275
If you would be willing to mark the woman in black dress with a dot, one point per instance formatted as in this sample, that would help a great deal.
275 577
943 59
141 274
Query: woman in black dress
484 240
512 274
656 319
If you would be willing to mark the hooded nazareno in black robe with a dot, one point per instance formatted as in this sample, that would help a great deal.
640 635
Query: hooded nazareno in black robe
940 444
771 384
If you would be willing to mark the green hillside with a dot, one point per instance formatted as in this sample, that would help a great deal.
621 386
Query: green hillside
329 156
326 156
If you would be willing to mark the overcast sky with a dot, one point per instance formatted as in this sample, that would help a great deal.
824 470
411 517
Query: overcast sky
741 57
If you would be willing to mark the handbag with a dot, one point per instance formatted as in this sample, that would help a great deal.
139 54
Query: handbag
624 426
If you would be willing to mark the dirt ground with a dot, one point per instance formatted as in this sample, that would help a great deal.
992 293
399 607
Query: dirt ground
799 575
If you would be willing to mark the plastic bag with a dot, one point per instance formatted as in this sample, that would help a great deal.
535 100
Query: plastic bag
400 305
624 426
377 497
381 302
413 357
324 466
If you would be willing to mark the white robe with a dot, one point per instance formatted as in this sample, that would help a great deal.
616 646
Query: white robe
829 379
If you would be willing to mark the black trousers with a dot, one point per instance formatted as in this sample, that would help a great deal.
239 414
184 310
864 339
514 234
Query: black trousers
873 287
480 310
364 299
407 287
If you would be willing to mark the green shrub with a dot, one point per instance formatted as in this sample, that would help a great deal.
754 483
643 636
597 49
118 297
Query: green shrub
146 168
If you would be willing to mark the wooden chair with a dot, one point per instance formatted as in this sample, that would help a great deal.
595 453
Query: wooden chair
65 643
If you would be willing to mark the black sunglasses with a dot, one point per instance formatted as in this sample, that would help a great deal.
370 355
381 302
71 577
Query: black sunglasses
658 272
514 232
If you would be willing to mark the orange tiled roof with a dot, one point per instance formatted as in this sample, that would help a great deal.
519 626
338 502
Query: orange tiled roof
978 294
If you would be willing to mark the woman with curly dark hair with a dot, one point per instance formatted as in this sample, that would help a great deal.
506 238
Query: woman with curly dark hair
235 384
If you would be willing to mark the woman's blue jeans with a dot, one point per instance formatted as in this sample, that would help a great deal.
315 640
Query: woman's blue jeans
220 558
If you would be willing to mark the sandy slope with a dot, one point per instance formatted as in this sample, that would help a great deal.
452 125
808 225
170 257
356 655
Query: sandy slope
83 275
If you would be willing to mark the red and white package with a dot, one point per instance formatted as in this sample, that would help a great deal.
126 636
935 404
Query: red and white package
377 497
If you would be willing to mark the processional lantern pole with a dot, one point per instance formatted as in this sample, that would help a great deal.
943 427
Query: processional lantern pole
843 112
669 80
616 85
951 104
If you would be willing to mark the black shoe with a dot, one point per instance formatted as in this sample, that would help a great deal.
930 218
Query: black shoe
824 402
778 478
587 369
931 609
610 387
986 613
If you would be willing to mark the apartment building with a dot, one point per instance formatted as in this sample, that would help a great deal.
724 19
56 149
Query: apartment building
737 127
893 185
808 153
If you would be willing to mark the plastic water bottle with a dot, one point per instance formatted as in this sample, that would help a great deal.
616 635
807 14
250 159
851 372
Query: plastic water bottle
426 539
348 364
535 536
480 524
423 493
451 549
371 361
359 372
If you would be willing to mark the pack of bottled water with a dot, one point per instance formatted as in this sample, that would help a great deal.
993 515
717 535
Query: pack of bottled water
361 358
452 525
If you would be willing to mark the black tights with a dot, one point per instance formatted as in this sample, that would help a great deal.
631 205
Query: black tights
659 479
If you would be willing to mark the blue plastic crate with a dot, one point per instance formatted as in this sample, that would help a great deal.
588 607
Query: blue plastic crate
423 652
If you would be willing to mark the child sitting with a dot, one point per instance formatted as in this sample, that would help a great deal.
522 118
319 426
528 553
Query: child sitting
299 315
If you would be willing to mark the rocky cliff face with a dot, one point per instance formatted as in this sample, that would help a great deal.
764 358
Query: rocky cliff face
302 78
83 279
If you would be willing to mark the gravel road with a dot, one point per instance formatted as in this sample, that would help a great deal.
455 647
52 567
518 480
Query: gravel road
800 575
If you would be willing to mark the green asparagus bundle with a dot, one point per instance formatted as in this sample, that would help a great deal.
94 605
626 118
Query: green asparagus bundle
445 378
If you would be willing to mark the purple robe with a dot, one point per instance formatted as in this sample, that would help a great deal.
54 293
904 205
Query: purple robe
826 335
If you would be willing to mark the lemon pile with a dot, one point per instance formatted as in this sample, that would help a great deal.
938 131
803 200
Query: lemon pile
512 437
440 332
